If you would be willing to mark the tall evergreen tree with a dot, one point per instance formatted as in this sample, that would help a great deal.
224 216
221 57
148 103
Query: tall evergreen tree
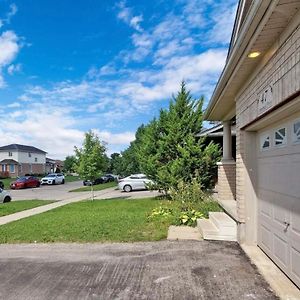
168 149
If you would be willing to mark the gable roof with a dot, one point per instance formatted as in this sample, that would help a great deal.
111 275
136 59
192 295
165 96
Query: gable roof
21 148
241 13
216 130
9 161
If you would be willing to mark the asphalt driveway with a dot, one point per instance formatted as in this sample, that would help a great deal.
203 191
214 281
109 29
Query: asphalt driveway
156 270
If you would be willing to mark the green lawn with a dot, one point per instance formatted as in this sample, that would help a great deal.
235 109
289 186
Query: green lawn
7 182
111 220
98 187
15 206
70 178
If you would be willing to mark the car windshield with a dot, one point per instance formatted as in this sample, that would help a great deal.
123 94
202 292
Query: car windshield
51 175
21 179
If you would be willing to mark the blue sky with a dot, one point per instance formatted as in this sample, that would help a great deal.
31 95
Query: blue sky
70 66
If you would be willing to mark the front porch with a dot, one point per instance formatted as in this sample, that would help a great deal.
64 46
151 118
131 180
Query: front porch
223 226
9 168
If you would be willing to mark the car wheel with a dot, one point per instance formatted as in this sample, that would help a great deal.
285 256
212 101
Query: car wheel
38 184
53 182
127 188
63 181
6 199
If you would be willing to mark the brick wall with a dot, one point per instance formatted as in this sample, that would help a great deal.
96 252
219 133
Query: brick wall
32 168
282 73
226 180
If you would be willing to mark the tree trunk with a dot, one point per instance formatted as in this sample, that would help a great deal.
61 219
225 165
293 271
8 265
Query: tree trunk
92 192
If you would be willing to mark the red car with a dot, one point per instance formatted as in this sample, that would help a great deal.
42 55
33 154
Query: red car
25 182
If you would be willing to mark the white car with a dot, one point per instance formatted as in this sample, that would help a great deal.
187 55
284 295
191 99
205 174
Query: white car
53 178
134 182
4 196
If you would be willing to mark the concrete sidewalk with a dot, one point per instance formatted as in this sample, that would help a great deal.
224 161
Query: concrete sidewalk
76 197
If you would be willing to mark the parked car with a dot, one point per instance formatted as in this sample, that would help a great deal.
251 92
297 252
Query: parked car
134 182
53 178
110 177
25 182
1 185
4 196
102 179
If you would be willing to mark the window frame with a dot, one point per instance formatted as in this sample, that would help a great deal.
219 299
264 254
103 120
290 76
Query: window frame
284 143
262 140
10 168
295 139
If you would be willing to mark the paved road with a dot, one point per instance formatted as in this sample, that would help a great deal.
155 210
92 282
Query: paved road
47 192
61 192
159 270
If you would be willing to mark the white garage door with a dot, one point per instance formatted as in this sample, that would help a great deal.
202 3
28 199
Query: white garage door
279 195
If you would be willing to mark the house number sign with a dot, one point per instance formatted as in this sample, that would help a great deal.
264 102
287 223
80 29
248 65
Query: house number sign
265 99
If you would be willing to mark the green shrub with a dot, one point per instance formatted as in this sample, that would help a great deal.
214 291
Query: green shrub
189 192
189 217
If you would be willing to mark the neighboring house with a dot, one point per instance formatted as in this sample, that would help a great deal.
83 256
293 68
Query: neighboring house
19 160
215 134
52 165
259 88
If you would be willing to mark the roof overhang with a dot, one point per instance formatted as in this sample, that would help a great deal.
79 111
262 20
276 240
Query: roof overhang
265 21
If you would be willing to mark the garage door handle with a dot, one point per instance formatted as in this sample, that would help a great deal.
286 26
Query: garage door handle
286 226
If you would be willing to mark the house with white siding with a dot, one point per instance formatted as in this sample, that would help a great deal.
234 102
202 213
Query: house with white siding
18 160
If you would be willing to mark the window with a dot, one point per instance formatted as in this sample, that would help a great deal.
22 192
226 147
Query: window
9 153
35 159
265 142
29 154
296 131
11 168
280 137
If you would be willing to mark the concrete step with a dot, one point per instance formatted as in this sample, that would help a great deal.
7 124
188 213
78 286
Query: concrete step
210 232
225 224
207 228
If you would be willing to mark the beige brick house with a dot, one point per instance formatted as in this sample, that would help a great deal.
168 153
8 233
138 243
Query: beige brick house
19 160
259 89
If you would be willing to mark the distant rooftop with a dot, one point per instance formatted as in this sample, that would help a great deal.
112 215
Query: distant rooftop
22 148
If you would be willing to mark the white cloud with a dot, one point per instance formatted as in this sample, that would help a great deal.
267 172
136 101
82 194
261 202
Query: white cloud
115 138
9 48
14 68
13 10
135 22
223 21
14 105
52 130
126 15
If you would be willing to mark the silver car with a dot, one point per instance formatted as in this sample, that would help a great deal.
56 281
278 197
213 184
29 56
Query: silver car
54 178
4 196
134 182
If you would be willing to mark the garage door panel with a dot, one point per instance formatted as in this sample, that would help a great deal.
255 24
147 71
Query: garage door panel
266 238
294 174
278 193
281 250
295 264
265 207
274 180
